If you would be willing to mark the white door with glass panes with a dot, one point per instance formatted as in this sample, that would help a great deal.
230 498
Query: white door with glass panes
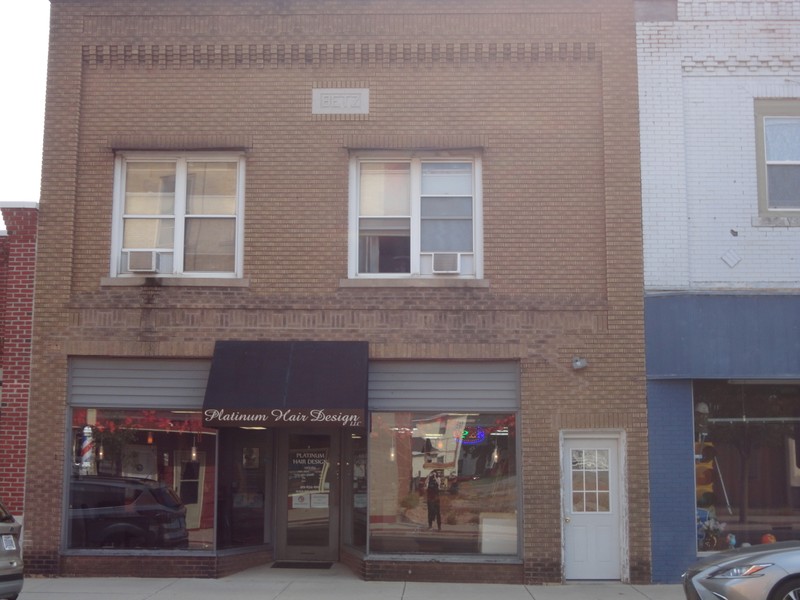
592 510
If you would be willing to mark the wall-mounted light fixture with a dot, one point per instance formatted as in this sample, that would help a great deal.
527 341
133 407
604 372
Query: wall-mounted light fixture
578 362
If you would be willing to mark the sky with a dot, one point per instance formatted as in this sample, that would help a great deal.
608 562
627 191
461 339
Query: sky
24 71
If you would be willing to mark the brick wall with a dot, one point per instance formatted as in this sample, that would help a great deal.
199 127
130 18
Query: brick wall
17 263
698 79
547 91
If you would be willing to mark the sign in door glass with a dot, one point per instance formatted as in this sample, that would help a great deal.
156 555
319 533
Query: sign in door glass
590 478
309 489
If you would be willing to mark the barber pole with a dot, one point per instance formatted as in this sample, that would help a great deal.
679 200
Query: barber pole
87 452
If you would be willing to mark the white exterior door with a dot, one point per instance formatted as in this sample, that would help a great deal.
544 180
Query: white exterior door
592 508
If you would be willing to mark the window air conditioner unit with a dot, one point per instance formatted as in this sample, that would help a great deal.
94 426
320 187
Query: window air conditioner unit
143 261
446 263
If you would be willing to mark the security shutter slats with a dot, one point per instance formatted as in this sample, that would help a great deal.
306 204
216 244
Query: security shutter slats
443 386
147 383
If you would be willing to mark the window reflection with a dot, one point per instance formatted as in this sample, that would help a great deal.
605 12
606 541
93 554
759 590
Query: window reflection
747 463
443 483
141 479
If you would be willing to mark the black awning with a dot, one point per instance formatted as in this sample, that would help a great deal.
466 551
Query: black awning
287 383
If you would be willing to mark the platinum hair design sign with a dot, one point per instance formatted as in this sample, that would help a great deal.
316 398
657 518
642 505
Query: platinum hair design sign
270 418
288 384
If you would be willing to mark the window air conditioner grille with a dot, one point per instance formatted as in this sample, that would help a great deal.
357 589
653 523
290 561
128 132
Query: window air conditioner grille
446 263
143 261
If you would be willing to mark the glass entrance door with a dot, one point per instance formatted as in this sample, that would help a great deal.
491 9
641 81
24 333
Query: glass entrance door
308 509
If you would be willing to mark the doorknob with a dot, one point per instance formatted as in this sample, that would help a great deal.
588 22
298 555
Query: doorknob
566 519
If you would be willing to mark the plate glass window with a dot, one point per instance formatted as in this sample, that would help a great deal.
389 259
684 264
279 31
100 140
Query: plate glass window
179 215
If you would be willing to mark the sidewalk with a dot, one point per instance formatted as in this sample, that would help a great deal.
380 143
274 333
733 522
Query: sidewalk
336 583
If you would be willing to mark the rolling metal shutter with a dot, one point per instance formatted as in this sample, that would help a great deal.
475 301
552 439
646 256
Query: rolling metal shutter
140 383
485 386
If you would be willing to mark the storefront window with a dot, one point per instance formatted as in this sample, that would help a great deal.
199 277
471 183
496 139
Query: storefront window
246 463
443 483
141 479
356 460
747 463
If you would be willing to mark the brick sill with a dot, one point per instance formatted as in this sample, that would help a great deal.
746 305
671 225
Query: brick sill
173 282
414 282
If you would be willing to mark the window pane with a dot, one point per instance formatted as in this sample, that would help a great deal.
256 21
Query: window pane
141 479
446 235
783 138
747 463
388 226
443 483
590 473
148 234
447 207
211 188
210 245
150 188
385 189
783 185
446 179
387 253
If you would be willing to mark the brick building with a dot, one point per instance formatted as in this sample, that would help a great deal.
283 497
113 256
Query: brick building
720 126
17 264
357 281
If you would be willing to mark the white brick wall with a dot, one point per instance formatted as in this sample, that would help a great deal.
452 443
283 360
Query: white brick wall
697 83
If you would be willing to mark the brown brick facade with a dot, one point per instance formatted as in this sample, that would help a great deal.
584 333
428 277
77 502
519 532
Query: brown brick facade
546 90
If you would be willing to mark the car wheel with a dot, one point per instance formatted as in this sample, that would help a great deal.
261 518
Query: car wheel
789 590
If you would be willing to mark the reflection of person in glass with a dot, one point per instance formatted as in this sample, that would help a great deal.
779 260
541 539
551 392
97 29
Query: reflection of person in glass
433 484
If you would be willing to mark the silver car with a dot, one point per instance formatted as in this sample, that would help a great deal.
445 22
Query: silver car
10 556
765 571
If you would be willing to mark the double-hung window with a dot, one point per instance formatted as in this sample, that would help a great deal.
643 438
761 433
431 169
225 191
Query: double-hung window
778 159
178 214
415 215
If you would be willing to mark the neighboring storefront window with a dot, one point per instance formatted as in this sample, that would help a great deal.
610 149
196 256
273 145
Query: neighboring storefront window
443 483
747 463
141 479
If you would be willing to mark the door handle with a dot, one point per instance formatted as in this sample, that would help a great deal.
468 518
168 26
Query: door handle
567 519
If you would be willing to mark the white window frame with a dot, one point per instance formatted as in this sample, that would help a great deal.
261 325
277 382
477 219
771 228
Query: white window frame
764 110
181 160
415 159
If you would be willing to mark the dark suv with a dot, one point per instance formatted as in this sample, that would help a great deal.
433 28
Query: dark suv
10 556
125 512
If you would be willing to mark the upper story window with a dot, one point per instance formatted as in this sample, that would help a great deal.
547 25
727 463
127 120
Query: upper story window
778 157
415 215
178 214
